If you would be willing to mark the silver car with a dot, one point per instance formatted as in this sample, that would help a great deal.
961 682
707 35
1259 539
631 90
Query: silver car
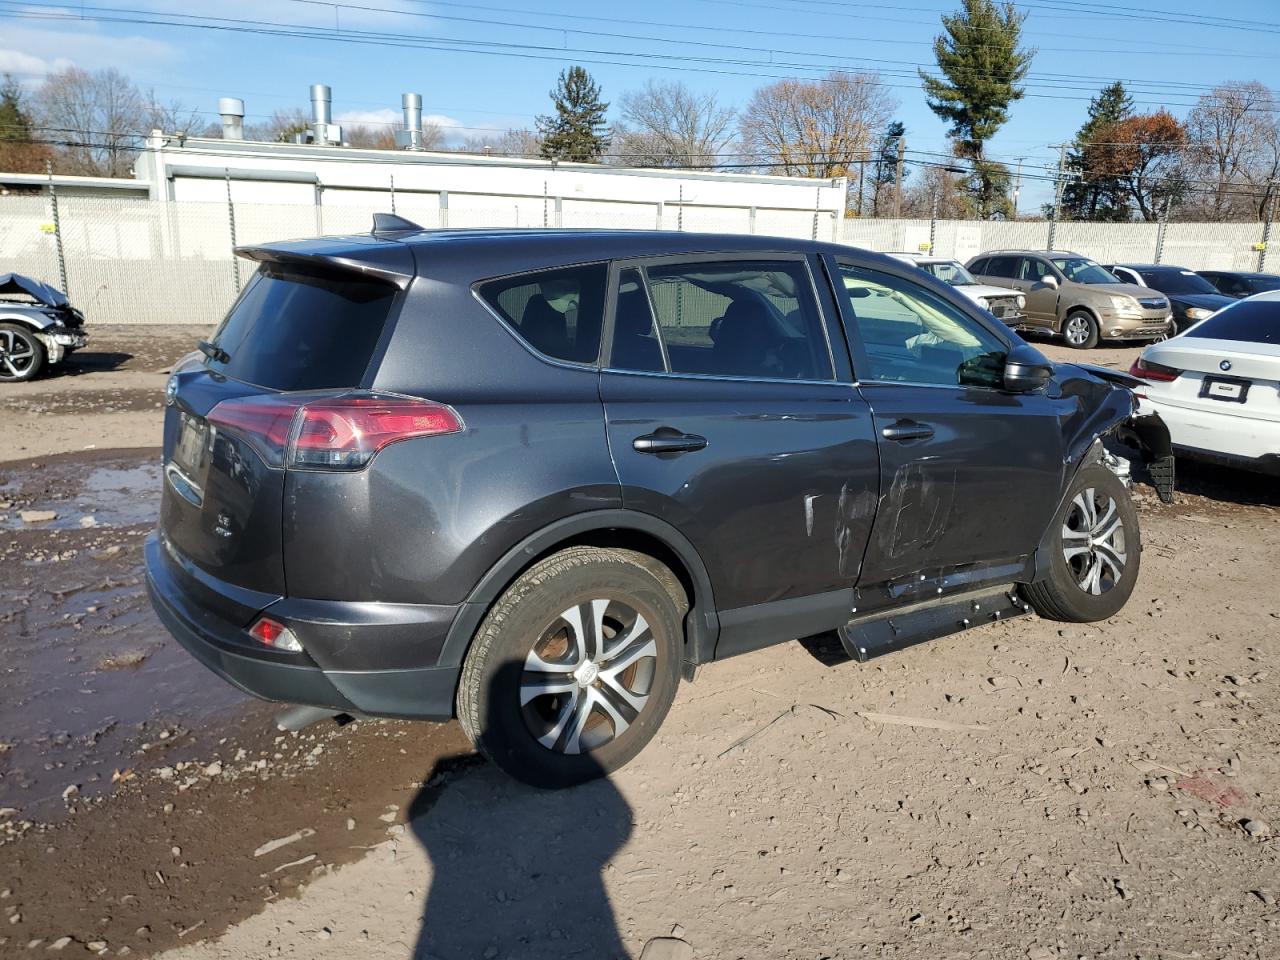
38 326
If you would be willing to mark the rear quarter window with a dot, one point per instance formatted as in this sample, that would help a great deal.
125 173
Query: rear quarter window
293 330
558 313
1250 321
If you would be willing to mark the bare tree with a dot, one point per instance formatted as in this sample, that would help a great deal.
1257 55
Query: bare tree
816 128
96 119
280 127
1233 143
382 136
508 143
668 125
937 191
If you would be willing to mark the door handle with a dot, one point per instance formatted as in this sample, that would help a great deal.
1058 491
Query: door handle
907 430
666 440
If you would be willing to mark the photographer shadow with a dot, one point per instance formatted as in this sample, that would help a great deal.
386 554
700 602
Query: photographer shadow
517 872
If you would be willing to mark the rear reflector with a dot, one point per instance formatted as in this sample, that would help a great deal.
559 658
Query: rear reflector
1147 370
330 433
273 634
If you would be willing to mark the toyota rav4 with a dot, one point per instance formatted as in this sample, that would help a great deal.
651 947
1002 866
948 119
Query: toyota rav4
532 479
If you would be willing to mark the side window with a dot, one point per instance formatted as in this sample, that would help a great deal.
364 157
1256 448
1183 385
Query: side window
1032 269
557 312
738 318
1002 267
979 266
636 345
911 335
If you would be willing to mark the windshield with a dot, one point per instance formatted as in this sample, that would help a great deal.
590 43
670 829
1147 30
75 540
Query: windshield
1177 281
948 271
1080 270
1253 321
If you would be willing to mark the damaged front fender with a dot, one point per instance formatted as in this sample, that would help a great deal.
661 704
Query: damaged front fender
1108 408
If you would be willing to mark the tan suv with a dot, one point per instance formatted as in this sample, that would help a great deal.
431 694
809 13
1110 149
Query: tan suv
1073 296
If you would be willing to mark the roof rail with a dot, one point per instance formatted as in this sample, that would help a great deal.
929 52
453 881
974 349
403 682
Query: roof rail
385 223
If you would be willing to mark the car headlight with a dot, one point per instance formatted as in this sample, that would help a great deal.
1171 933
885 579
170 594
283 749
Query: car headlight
1198 313
1022 301
1125 305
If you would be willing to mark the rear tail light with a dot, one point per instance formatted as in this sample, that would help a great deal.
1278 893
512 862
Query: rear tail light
1146 370
274 634
330 433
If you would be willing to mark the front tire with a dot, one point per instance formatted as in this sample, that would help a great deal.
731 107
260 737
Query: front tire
21 354
1095 551
575 667
1080 330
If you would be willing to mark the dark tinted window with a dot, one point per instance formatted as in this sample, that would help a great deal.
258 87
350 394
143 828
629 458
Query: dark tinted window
910 335
1263 284
741 318
1030 268
636 345
557 312
295 331
1001 267
979 266
1254 321
1176 281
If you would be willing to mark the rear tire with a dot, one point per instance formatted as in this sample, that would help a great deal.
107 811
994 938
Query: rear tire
574 668
1080 330
22 355
1095 551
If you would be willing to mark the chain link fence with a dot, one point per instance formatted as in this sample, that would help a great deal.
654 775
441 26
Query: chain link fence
144 261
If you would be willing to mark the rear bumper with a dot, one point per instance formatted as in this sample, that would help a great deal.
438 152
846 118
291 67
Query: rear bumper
374 659
1224 435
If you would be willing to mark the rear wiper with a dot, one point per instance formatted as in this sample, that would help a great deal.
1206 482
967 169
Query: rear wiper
214 352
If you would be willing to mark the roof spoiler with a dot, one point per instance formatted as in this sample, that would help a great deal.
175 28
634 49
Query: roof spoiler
386 263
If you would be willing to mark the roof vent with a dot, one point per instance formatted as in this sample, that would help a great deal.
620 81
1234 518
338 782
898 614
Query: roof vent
410 138
323 129
231 109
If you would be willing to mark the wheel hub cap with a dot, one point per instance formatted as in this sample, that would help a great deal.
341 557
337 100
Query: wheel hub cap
588 676
1093 542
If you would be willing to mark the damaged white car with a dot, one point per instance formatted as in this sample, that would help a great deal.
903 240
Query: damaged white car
38 326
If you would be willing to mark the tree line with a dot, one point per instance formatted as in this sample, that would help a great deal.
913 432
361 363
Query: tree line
1221 162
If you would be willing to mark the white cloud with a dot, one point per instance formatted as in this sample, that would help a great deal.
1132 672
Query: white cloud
31 52
373 118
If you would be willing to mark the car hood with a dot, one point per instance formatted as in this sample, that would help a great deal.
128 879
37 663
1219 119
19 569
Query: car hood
976 290
1206 301
17 283
1126 289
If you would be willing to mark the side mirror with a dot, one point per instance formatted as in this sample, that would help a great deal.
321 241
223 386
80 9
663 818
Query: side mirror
1048 281
1026 369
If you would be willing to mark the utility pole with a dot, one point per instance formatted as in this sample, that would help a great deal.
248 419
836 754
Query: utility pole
1266 227
1058 183
1017 187
897 190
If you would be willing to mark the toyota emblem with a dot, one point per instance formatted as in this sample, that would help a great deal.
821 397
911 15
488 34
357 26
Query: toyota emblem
1225 365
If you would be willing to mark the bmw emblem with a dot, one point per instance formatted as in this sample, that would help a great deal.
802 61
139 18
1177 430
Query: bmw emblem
1224 365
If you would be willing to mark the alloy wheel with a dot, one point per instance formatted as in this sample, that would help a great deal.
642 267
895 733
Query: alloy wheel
17 354
1093 541
588 677
1077 331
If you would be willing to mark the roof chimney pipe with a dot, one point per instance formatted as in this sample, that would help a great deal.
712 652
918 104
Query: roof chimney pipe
410 138
323 129
231 109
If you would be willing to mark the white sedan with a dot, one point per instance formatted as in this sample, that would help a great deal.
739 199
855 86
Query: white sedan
1217 385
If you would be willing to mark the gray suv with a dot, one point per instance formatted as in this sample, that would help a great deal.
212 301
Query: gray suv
532 479
1071 295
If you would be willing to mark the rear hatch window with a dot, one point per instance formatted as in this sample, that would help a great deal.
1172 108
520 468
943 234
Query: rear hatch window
295 330
1252 321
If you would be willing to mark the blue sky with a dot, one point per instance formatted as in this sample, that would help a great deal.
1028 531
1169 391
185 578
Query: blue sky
485 66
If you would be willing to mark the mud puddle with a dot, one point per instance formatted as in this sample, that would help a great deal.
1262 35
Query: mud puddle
92 684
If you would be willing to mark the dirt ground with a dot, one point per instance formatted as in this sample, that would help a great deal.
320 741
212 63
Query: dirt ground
1021 790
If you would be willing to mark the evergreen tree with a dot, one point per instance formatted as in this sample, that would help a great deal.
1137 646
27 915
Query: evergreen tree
982 67
577 130
1098 194
18 154
884 174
